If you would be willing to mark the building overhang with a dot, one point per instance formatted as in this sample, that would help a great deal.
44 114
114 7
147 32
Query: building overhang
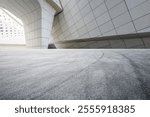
56 5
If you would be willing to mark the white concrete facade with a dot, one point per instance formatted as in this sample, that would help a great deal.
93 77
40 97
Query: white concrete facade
37 16
83 19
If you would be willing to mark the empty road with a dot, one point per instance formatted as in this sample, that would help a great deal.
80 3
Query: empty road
74 74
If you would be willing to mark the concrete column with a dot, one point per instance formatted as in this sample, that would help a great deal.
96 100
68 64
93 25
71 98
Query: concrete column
47 17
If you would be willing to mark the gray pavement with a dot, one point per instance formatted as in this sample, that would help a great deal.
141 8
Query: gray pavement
74 74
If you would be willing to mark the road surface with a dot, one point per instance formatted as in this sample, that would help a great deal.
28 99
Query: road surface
74 74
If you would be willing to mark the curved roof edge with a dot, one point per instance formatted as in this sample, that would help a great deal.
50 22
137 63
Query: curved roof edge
56 5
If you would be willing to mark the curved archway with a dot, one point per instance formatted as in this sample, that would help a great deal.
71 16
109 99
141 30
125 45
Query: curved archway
27 11
11 29
37 16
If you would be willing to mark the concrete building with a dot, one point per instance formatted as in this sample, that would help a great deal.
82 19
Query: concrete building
83 23
37 16
88 74
83 19
103 24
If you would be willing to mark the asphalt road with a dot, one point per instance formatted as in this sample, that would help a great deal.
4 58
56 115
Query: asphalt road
74 74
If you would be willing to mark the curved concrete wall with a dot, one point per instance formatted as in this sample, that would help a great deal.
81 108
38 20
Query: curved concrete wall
83 19
37 16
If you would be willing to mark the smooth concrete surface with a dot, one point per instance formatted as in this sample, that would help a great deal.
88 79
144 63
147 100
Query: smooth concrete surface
130 41
74 74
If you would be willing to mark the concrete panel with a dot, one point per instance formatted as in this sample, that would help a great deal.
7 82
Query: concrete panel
111 17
